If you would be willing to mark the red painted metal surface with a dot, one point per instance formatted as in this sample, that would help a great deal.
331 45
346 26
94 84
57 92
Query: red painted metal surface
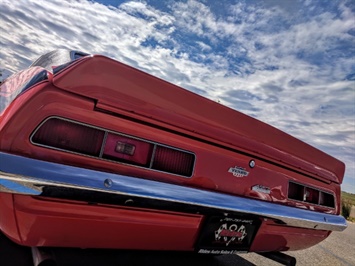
47 222
8 222
275 237
59 223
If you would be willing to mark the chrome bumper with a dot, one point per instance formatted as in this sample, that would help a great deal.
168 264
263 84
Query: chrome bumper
27 176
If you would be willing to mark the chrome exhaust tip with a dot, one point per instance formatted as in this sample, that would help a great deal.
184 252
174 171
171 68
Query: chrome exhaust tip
42 257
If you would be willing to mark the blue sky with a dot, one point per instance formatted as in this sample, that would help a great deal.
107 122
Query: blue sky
288 63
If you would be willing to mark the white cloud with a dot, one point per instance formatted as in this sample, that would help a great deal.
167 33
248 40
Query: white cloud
285 68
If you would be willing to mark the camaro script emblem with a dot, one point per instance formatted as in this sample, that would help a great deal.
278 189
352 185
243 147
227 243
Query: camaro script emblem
238 171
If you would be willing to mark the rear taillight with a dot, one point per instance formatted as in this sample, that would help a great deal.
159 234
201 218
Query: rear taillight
68 136
65 135
173 161
304 193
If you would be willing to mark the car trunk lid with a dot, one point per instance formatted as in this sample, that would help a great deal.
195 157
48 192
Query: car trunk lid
123 90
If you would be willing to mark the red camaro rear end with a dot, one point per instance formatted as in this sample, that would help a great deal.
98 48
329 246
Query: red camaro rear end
96 154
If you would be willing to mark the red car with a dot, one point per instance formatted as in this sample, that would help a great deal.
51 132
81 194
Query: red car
97 154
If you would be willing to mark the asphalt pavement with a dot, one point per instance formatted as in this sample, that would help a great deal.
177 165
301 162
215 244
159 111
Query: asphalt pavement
337 250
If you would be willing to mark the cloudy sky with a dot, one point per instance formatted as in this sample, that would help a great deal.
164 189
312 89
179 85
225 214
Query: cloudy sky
288 63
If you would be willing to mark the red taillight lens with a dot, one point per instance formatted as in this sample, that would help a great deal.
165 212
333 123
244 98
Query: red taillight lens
173 161
311 195
326 199
295 191
69 136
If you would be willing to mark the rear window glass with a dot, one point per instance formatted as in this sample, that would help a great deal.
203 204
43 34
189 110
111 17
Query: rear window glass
18 83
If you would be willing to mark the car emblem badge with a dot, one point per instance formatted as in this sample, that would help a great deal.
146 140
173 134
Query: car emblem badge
261 189
238 171
230 234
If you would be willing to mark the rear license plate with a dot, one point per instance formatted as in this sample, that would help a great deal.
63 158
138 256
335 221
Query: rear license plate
227 235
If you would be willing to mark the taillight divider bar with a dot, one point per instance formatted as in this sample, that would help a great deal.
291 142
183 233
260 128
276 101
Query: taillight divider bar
152 158
103 145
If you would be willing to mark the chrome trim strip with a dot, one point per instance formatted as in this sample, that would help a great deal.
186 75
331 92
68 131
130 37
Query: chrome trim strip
28 176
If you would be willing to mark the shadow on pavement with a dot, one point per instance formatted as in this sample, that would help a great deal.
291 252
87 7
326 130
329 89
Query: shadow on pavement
113 258
12 254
